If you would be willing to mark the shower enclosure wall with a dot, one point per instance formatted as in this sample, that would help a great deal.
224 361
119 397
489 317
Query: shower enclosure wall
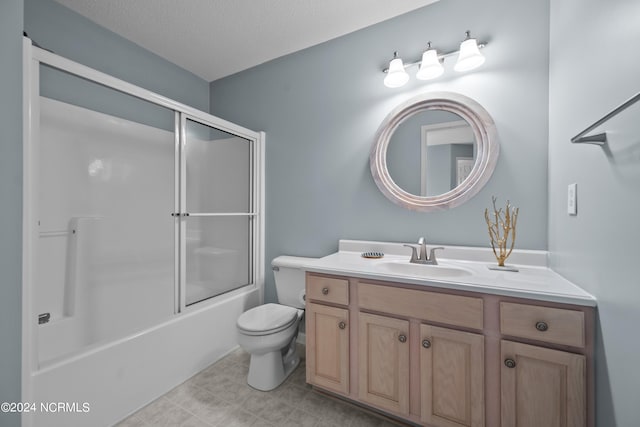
142 240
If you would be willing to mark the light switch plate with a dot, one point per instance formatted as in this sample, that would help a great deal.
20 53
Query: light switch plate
572 199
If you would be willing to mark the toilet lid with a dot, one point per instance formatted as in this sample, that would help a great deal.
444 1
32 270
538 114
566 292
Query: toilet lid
267 317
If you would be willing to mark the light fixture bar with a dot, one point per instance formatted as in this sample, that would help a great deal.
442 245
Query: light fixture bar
441 57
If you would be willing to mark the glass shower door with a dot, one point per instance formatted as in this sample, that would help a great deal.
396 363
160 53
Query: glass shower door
106 245
217 212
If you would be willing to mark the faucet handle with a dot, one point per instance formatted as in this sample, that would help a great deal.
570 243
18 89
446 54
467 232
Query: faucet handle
414 252
432 255
421 241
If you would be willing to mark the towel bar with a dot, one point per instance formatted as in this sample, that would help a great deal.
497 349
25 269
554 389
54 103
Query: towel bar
601 138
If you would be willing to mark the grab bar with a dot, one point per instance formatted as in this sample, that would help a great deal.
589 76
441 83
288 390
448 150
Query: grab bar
601 138
56 233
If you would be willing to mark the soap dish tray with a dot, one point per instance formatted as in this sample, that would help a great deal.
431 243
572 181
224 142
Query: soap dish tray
372 255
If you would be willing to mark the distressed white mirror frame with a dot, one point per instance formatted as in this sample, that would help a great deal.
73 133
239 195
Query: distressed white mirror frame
484 130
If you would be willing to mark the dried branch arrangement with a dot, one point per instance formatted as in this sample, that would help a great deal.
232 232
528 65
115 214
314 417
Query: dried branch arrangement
501 228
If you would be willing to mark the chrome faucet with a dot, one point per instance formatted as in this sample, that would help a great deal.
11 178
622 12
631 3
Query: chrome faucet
422 257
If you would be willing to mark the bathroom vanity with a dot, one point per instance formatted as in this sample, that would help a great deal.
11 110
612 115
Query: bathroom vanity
451 345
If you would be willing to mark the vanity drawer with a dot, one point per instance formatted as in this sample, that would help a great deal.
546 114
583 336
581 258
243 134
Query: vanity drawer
327 289
424 305
554 325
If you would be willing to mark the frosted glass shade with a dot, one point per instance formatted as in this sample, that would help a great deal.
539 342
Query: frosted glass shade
430 67
396 76
469 57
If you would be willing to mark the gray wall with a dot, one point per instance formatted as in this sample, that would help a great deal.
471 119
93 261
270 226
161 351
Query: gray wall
320 108
11 13
594 66
71 35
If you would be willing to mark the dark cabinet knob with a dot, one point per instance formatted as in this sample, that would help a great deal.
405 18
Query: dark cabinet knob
509 363
426 343
342 325
542 326
402 338
325 291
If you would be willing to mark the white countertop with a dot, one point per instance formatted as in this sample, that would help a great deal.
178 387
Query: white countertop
534 280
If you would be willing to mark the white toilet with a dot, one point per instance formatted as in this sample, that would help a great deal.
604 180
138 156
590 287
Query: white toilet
268 332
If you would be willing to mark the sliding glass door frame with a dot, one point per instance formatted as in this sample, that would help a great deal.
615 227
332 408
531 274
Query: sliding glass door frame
33 57
182 213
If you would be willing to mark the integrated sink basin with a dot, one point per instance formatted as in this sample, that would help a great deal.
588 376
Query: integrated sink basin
406 268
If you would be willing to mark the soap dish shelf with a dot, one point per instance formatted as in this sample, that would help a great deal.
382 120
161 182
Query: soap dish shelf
372 255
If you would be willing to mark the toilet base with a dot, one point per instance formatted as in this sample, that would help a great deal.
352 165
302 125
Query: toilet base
267 371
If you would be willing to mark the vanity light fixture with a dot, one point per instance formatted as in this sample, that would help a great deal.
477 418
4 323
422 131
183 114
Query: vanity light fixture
430 66
396 74
469 57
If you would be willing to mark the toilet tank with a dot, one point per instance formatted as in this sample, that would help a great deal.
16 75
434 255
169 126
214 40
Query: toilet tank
289 273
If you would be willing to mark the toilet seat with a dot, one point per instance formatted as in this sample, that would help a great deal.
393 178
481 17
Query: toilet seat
267 319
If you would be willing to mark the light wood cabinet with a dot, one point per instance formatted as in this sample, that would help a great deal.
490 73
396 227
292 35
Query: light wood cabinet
436 357
384 362
328 347
542 387
452 377
428 306
330 290
553 325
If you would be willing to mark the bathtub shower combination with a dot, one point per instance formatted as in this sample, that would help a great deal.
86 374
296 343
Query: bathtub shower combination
142 240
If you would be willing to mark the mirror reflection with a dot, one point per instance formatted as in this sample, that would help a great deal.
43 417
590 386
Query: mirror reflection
431 152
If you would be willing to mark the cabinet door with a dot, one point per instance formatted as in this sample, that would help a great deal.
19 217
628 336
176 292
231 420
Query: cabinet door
451 377
384 362
542 387
328 347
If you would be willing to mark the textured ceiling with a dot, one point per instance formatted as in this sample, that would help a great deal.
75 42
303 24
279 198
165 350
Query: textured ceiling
216 38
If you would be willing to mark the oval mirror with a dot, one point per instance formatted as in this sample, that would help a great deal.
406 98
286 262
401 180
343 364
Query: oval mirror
434 151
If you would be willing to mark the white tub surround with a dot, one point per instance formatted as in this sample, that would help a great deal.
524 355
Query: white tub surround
535 280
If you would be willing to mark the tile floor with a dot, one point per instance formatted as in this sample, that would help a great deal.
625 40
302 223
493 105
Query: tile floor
220 396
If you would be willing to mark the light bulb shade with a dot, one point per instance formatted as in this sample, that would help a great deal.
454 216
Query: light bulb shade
430 67
469 57
396 76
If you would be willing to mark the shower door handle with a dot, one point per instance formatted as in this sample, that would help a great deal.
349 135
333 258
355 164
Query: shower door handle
180 214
